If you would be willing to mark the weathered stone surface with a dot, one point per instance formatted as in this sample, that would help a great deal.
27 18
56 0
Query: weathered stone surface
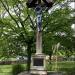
24 73
48 73
38 62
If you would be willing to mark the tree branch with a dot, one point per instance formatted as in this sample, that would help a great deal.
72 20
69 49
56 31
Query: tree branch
33 27
9 13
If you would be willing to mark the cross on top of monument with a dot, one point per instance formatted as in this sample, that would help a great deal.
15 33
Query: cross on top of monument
43 3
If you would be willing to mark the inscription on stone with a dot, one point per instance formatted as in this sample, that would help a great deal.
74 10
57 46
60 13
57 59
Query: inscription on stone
38 62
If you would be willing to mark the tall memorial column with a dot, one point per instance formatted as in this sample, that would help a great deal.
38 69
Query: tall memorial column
38 11
38 59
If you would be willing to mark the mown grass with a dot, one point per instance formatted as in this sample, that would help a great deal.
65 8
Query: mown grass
68 67
57 66
65 66
7 69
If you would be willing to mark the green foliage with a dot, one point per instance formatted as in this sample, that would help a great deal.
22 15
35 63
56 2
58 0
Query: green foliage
17 31
14 28
18 25
16 69
57 29
64 66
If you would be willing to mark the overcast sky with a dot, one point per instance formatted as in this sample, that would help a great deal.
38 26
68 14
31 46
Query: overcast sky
72 4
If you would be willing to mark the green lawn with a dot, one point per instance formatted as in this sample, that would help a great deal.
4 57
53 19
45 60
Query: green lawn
5 74
59 66
7 69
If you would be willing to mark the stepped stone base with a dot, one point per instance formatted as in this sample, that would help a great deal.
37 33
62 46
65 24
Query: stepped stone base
38 72
24 73
34 72
38 62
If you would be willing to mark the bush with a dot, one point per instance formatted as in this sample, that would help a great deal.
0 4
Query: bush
17 69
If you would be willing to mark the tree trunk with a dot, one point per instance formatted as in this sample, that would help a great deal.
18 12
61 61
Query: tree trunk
50 59
29 57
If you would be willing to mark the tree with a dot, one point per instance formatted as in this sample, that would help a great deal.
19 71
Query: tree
57 29
17 28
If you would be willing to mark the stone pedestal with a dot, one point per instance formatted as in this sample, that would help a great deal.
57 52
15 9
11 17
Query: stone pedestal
38 60
38 72
38 65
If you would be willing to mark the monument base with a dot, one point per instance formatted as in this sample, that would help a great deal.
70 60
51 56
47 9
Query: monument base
38 72
38 64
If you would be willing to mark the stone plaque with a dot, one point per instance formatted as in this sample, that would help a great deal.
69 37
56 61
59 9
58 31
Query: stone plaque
38 62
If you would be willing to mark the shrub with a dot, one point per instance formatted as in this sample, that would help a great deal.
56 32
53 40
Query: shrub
17 69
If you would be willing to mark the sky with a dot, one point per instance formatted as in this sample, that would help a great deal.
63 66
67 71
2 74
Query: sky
72 4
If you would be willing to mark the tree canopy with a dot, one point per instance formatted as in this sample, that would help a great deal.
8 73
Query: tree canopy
18 28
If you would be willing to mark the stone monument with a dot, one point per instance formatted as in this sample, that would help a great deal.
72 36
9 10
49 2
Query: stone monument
38 60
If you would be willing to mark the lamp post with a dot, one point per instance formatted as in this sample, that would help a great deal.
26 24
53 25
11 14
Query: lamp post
38 60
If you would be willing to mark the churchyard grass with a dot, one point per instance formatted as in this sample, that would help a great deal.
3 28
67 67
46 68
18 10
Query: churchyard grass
61 66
